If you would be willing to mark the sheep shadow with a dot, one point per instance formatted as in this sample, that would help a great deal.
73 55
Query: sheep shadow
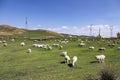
92 62
70 65
62 62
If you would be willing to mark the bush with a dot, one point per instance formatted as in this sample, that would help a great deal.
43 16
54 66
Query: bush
107 74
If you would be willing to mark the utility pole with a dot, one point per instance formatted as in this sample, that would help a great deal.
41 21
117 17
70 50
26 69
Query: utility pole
26 24
99 32
26 27
91 30
111 31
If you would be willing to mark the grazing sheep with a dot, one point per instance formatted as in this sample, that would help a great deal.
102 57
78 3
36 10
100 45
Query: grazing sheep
12 40
100 58
55 45
101 49
91 47
64 42
111 45
67 59
5 44
0 42
63 54
22 44
35 40
74 60
118 48
4 41
29 50
49 47
60 47
81 44
35 45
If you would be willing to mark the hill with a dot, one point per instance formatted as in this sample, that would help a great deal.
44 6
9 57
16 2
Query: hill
6 30
43 33
9 30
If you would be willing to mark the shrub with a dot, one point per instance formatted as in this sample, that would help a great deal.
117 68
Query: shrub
107 74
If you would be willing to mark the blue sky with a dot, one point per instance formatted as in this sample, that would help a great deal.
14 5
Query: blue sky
64 16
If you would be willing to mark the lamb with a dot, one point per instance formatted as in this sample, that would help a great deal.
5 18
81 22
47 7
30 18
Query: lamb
101 49
63 54
35 45
12 40
55 45
0 42
5 44
81 44
22 43
60 47
29 50
67 59
118 48
74 60
91 47
100 58
4 41
49 47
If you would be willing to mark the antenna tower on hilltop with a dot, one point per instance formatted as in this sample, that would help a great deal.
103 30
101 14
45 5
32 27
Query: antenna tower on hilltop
26 27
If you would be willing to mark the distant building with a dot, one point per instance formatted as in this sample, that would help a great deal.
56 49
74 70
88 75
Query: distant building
118 35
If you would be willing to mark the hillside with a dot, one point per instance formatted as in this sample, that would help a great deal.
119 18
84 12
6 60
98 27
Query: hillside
6 30
9 30
43 33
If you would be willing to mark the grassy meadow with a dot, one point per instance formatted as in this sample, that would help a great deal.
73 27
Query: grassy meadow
40 64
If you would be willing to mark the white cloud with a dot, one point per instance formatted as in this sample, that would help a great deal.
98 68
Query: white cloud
64 27
104 30
84 30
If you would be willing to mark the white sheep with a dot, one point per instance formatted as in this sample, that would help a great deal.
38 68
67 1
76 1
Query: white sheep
64 42
4 41
67 59
100 58
29 50
34 45
101 49
55 45
49 47
91 48
0 42
12 40
118 48
81 44
60 47
5 44
74 60
63 54
22 44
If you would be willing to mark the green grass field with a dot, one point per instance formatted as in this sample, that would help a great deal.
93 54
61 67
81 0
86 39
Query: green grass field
40 64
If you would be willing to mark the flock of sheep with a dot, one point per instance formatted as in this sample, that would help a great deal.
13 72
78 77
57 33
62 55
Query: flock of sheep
99 58
73 61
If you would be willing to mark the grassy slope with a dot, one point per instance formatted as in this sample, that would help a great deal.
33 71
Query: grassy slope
42 33
16 64
7 30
